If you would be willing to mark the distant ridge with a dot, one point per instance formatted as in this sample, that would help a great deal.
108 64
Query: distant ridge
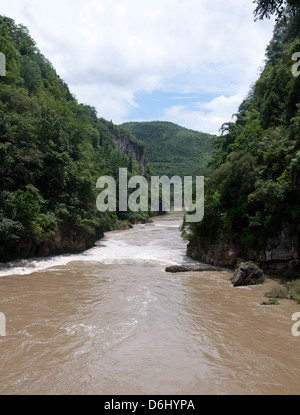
172 149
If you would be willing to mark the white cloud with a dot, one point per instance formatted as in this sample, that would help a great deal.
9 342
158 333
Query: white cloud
205 116
108 51
110 100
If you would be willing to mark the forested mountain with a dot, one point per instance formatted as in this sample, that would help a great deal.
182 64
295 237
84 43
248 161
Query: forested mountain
52 151
252 208
172 150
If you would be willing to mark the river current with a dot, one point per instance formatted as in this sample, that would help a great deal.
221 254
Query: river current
112 321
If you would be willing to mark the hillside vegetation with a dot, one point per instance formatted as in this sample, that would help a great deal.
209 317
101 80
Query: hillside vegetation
253 178
52 151
172 150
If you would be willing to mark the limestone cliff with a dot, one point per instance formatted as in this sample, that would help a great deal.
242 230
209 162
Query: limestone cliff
63 241
129 146
281 255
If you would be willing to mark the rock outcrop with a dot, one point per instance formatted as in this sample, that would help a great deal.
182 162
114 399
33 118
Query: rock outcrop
248 273
281 255
64 241
130 147
190 268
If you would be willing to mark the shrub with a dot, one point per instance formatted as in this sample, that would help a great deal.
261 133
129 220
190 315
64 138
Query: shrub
293 288
277 292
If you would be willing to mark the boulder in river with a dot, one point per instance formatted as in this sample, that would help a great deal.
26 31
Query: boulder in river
248 274
190 268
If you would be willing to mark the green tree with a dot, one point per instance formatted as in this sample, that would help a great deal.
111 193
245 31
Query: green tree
267 8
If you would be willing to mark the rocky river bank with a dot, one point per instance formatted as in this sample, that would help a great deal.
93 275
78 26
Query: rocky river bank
280 256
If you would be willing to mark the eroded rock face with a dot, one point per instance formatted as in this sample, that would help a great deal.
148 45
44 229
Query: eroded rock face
129 149
220 253
280 256
248 274
190 268
64 241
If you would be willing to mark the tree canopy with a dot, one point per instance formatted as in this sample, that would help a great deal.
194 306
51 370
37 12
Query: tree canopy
267 8
252 181
171 149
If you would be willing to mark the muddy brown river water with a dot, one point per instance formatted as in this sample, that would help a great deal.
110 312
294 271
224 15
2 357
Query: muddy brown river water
112 321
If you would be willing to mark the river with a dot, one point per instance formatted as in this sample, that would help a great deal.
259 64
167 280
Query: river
112 321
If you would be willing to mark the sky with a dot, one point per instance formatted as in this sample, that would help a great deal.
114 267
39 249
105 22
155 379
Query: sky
190 62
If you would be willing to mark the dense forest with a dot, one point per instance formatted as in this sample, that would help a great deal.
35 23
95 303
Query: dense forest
171 149
52 151
252 196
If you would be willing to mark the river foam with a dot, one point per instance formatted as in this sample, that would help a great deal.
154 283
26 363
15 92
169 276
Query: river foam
114 248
